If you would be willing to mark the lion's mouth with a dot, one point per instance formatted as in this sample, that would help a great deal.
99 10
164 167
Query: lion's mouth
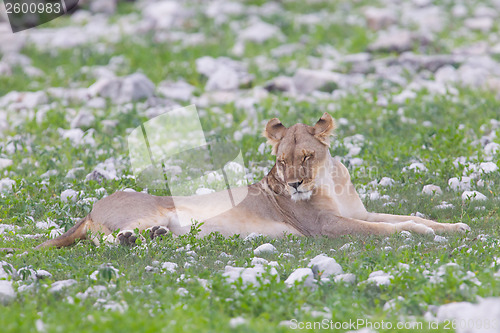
301 195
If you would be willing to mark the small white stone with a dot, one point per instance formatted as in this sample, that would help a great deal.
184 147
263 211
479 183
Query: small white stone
417 167
42 274
7 293
432 190
456 184
483 24
169 266
237 321
328 266
69 195
182 291
248 275
259 32
259 261
5 162
301 274
473 195
440 239
62 284
265 248
224 78
488 167
252 236
6 185
380 278
346 278
386 182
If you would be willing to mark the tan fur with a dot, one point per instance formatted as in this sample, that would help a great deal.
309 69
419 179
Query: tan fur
307 192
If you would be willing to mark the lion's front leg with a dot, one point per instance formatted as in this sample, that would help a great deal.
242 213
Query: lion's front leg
436 226
334 226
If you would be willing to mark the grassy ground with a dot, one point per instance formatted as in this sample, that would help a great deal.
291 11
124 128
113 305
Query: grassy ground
136 299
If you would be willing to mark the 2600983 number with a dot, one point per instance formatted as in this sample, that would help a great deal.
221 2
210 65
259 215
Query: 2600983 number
34 8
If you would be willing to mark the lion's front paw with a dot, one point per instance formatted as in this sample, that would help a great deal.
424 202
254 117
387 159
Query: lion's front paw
127 238
414 227
461 227
157 231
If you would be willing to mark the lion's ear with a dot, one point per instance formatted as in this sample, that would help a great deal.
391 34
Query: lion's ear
324 128
274 132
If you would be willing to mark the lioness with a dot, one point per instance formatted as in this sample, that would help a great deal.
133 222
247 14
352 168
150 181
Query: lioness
307 192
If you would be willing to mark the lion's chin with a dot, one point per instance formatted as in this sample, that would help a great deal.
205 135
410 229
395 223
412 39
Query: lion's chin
297 196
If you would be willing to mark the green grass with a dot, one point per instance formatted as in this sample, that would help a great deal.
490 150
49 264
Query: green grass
150 300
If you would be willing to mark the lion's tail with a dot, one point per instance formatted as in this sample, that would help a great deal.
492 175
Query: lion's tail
78 231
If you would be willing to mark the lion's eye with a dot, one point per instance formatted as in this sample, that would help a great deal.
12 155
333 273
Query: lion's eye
306 157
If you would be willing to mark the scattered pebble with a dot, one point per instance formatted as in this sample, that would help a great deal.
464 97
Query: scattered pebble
432 190
304 275
266 248
7 293
326 265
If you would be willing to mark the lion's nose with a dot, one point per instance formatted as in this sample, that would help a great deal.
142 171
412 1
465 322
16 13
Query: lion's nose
296 184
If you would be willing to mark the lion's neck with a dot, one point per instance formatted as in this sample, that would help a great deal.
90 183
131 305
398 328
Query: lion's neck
274 184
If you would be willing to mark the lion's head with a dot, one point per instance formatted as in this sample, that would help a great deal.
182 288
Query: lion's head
301 151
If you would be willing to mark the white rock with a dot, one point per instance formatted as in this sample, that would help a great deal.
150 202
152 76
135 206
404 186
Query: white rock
7 293
308 80
182 291
301 274
248 275
93 292
252 236
169 266
488 167
440 239
491 149
265 248
379 18
326 265
166 14
75 135
237 321
380 278
462 185
259 261
417 167
386 182
346 278
398 41
224 78
60 285
259 32
103 6
6 185
84 118
42 274
473 195
125 89
483 24
487 310
432 189
180 90
404 96
69 195
5 162
6 269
